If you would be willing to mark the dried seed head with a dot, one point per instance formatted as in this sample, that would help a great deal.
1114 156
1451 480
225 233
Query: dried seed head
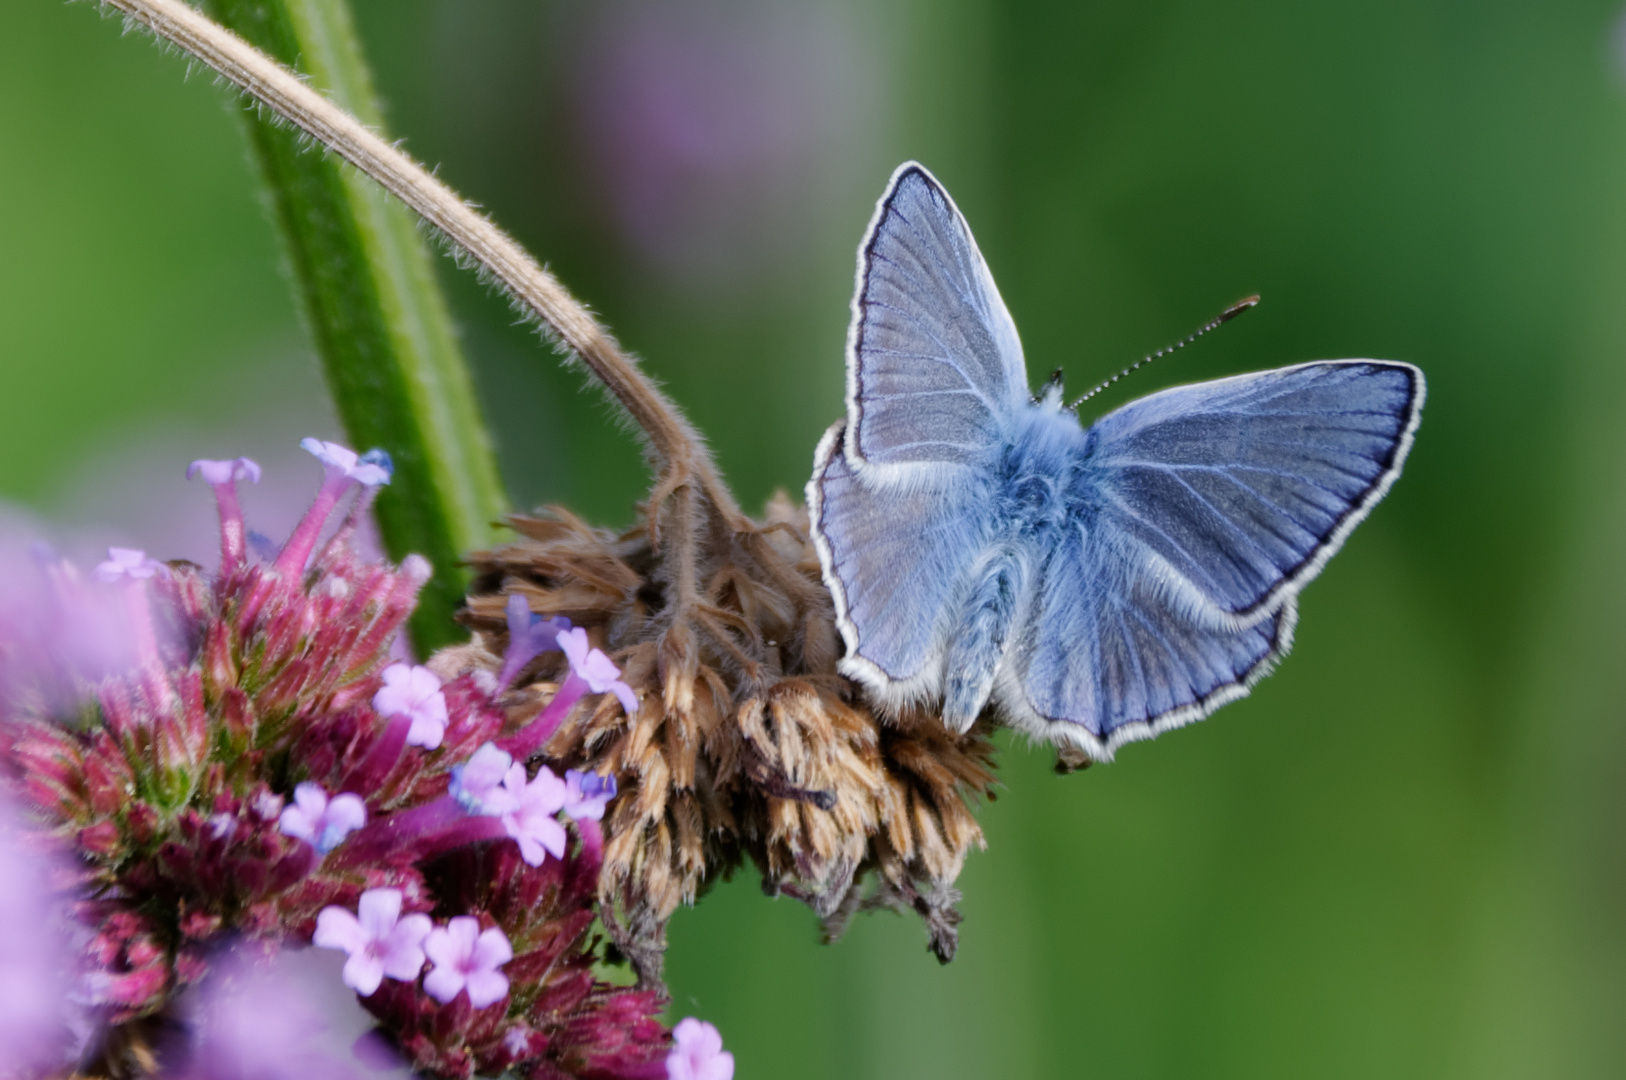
746 741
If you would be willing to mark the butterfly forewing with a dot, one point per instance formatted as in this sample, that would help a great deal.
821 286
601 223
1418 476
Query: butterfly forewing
1243 487
935 369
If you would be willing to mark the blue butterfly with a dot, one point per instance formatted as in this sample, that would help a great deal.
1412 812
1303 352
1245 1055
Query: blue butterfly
1097 585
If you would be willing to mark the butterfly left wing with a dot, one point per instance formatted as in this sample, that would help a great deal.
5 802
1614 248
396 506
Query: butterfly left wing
934 367
1203 511
893 561
935 385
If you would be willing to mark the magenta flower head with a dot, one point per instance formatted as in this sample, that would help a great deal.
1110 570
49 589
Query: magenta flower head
378 940
595 669
697 1053
128 564
466 958
586 794
215 473
414 692
531 819
529 636
371 469
477 784
321 822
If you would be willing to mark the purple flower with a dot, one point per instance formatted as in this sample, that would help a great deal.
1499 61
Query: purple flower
697 1053
595 669
414 692
131 568
466 958
260 1017
59 634
528 637
380 942
532 820
321 822
127 563
215 473
477 784
590 671
373 468
36 961
344 468
586 794
223 477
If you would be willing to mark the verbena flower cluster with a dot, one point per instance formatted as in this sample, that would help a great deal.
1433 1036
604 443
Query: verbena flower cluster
204 772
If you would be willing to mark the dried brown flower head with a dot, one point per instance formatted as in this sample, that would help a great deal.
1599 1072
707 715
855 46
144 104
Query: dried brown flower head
747 741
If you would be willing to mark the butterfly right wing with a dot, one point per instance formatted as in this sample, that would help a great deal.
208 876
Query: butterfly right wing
934 367
1236 492
1198 514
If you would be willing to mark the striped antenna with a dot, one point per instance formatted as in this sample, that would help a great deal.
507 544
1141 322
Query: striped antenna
1224 317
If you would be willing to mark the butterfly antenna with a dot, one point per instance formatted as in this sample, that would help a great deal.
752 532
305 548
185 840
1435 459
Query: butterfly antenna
1220 320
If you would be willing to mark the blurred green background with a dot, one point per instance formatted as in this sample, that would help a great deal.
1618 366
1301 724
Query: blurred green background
1404 856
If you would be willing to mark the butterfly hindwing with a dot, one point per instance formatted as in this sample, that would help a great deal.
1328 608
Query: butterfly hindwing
934 366
893 561
1108 658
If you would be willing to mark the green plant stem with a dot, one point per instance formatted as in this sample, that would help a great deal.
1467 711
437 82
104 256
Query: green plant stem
366 284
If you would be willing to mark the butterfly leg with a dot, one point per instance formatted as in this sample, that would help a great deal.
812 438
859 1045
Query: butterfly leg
977 645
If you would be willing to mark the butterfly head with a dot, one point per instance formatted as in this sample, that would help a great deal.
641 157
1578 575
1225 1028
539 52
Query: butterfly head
1050 395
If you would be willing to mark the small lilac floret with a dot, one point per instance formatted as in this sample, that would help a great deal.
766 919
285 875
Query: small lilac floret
529 636
128 563
586 794
223 477
321 822
373 468
466 958
697 1053
378 940
414 692
215 473
595 669
532 821
477 784
343 467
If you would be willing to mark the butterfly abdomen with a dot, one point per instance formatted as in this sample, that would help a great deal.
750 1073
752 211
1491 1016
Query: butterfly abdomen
977 644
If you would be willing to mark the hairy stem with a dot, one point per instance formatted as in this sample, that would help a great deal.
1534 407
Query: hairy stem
677 449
